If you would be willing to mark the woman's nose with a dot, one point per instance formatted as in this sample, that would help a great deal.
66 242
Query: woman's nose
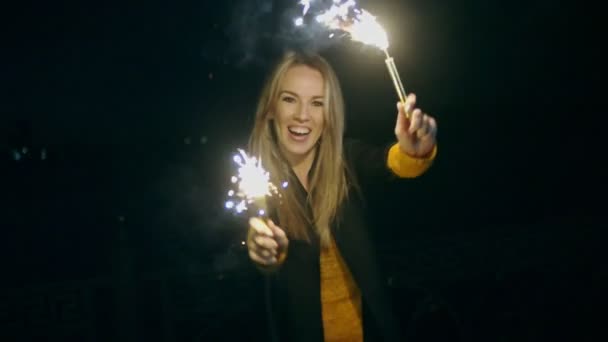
302 112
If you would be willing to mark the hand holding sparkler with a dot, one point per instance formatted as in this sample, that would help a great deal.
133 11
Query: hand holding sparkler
266 242
416 131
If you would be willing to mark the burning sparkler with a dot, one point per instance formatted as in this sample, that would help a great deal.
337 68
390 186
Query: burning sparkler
362 27
300 20
252 185
306 4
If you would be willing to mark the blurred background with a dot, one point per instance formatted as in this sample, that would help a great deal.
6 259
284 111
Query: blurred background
118 121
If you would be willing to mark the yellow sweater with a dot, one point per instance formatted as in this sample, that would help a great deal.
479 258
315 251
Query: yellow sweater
340 296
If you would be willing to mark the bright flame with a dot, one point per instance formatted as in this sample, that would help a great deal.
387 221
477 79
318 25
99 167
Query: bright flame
306 4
254 180
300 20
253 184
360 24
336 13
367 30
344 16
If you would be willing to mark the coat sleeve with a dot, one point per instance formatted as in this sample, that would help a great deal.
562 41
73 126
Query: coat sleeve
405 166
377 164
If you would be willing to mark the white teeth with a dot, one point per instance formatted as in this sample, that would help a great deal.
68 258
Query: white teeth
299 130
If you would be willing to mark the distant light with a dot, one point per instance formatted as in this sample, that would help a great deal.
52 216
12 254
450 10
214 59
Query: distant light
231 193
284 185
243 243
237 159
203 140
331 35
16 155
234 179
229 205
299 21
262 212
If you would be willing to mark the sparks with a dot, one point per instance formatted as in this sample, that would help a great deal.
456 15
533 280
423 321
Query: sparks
359 23
363 27
253 185
368 31
300 20
306 4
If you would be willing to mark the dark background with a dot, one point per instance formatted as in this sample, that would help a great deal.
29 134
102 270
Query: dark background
118 121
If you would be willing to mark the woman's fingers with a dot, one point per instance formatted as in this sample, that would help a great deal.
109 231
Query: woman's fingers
259 226
262 244
262 252
410 104
262 241
261 260
257 247
279 235
416 121
265 242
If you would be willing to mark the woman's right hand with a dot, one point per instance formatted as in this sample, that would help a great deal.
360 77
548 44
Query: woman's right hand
266 242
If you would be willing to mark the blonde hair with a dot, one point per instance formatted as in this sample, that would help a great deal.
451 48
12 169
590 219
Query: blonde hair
328 186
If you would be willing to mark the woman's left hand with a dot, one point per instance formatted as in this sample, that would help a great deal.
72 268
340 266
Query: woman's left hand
416 135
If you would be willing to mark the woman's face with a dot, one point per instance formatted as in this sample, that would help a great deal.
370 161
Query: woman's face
299 112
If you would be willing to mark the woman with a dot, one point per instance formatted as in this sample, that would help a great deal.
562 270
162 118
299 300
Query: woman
323 283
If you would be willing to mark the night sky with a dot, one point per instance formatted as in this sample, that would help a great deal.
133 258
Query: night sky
118 121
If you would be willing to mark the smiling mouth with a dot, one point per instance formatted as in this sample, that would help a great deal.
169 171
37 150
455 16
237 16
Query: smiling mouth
299 131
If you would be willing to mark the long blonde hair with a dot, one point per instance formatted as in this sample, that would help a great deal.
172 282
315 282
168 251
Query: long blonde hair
327 187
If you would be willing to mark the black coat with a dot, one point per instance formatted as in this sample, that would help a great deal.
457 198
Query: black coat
293 291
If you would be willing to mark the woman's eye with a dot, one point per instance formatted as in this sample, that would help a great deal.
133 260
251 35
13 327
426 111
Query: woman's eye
317 103
289 99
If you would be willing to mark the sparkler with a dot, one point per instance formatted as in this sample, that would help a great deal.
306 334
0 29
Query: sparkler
306 3
252 186
362 27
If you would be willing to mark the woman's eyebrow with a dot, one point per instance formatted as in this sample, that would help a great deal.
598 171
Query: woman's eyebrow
296 95
289 92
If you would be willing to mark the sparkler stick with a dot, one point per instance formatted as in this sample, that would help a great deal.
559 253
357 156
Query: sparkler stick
392 70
